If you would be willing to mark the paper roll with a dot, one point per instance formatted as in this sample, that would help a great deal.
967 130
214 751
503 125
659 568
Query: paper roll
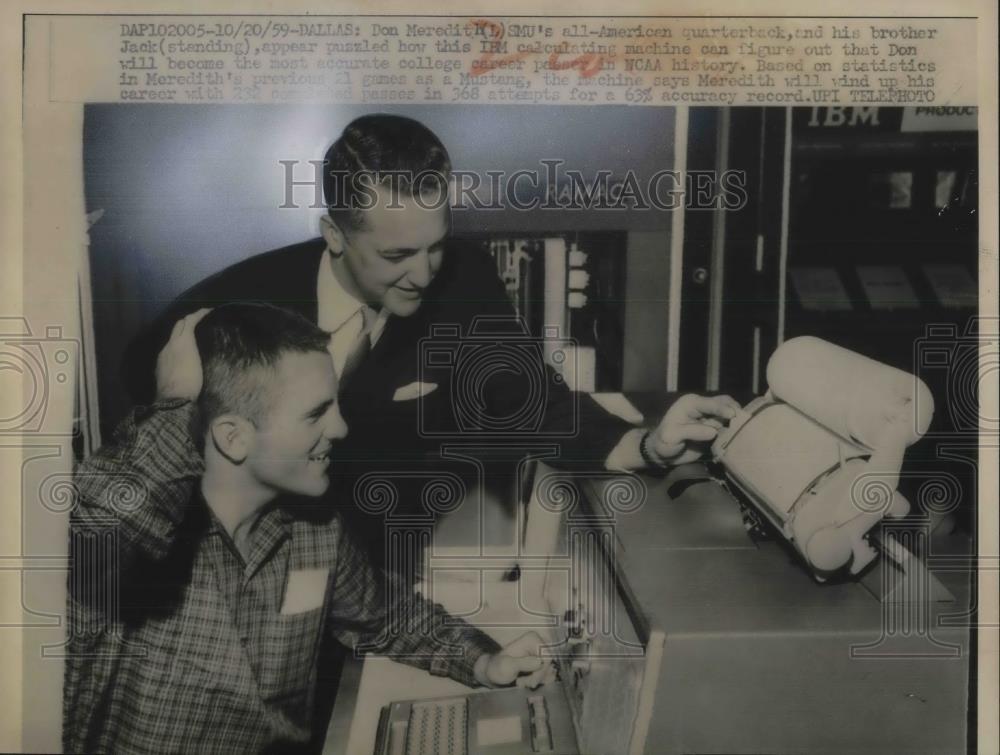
858 398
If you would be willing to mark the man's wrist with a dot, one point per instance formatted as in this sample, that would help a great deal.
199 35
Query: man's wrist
479 669
649 456
625 456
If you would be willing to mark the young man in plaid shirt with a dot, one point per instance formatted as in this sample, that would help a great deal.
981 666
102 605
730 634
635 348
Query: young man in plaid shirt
203 582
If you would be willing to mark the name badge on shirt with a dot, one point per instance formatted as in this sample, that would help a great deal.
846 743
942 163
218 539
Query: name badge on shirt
306 590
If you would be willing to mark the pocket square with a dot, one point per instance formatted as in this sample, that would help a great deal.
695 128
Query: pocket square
413 390
306 589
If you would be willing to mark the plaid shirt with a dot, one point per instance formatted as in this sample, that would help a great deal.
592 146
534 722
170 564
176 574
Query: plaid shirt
177 643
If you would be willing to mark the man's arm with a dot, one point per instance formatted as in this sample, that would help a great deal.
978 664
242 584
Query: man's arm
375 613
139 485
689 425
584 432
587 435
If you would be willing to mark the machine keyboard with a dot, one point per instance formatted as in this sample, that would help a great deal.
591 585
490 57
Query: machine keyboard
438 727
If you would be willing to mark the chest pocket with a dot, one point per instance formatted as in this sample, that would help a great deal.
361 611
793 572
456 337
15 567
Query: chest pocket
288 650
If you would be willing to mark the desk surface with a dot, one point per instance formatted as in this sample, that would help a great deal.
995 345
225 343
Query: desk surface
694 568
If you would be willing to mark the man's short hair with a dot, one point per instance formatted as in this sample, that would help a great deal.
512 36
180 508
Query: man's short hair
390 149
240 347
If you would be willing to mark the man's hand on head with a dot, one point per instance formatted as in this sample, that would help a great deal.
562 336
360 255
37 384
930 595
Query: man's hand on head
178 367
688 426
518 663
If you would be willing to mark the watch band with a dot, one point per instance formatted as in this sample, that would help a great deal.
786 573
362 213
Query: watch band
647 456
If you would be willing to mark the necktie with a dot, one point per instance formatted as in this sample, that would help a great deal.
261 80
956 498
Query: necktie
360 348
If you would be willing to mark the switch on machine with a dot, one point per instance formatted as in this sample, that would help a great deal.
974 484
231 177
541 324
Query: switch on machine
538 716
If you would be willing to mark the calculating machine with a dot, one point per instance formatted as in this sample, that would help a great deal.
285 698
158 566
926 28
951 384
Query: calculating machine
675 632
819 455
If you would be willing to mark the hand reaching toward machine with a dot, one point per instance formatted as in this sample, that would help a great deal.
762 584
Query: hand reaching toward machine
520 663
688 426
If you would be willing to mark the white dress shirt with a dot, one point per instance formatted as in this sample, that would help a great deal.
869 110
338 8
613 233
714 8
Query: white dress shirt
340 313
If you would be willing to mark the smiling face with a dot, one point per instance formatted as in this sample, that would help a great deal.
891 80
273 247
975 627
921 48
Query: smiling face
390 261
291 443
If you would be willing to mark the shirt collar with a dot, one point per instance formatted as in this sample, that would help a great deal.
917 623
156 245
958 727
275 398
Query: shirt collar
266 529
335 305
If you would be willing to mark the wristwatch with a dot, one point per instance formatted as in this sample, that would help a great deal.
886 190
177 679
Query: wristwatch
647 456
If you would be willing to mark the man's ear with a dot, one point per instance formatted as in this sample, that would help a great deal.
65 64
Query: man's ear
232 436
332 235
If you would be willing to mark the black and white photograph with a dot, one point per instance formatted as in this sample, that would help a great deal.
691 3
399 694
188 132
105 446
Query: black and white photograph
366 402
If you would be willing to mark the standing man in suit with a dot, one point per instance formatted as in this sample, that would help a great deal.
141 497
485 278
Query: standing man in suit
381 281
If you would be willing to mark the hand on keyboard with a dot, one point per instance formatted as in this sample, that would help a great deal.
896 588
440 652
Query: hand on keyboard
519 663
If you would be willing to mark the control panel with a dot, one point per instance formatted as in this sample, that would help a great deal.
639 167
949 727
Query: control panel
538 722
601 653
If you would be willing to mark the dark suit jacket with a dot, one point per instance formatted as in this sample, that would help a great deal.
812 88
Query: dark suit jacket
492 386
